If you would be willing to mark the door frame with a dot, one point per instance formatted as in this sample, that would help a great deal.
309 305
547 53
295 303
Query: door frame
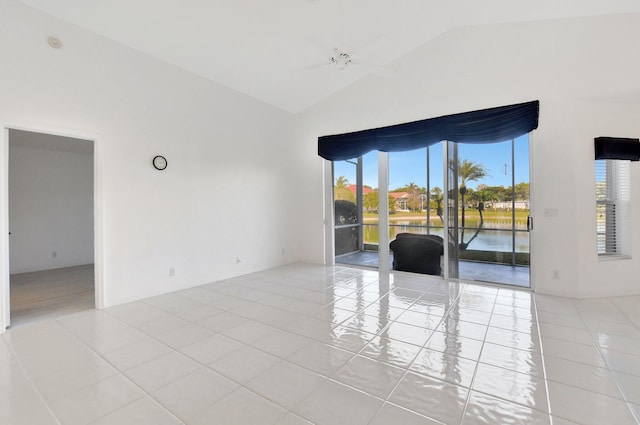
532 201
329 236
98 225
513 230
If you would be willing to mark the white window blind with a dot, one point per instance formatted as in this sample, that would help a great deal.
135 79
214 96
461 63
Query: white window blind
613 207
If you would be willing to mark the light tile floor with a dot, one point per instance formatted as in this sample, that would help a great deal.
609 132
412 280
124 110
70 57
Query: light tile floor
474 271
329 345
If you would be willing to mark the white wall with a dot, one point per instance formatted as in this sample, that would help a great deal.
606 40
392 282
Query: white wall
50 206
228 186
583 71
236 164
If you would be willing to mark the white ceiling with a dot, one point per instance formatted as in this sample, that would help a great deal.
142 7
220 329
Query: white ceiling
272 49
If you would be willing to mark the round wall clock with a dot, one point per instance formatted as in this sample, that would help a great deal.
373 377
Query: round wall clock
159 162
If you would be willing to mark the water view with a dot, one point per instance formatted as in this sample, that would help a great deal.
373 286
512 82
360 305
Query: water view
487 240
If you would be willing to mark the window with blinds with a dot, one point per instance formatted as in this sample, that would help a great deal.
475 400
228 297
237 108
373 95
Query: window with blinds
613 207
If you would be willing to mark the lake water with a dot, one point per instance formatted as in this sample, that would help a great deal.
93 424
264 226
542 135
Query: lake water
488 239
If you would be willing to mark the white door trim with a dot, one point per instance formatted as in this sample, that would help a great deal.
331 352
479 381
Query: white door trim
5 295
383 213
532 202
329 219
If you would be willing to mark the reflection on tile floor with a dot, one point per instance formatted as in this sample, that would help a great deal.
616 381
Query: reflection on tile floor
306 344
469 270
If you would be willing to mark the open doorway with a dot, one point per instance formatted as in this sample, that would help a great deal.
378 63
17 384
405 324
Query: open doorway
51 225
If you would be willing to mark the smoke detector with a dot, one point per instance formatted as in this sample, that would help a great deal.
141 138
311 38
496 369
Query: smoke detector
54 42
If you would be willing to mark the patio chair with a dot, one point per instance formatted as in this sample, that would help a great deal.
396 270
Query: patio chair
417 253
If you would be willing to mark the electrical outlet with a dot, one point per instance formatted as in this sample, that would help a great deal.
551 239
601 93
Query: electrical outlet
172 271
556 274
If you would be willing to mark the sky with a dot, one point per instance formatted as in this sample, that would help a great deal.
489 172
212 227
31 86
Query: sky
405 167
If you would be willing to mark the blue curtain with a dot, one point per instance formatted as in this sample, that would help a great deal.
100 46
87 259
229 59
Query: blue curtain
483 126
617 148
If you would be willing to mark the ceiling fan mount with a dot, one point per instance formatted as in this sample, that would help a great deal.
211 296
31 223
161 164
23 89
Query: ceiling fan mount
340 59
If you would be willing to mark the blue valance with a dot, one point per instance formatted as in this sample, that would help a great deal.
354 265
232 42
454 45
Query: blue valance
483 126
617 148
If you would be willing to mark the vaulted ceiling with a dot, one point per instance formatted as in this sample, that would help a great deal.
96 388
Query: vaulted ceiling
279 51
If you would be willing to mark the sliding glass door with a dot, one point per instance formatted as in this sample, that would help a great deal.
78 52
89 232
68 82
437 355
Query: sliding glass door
451 212
493 211
474 197
346 208
356 210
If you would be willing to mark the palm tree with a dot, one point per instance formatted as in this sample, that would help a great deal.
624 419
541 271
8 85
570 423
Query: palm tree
341 182
412 189
436 193
468 171
341 190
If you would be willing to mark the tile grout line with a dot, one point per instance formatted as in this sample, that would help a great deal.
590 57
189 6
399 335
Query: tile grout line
422 347
240 385
120 373
544 364
506 368
206 366
611 371
475 370
33 385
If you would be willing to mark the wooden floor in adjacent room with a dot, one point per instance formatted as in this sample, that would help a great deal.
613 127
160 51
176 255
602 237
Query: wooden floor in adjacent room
51 293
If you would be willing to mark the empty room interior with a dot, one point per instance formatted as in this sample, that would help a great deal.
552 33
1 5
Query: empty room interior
50 225
319 212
